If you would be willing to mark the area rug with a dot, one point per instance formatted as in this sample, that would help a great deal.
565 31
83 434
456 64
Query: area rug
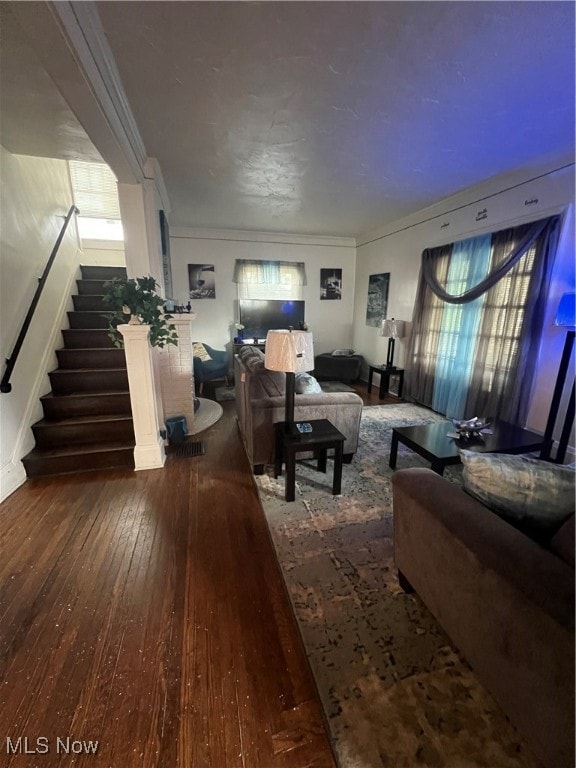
395 692
207 414
224 393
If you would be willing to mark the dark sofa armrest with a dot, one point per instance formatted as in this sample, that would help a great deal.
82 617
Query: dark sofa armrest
535 572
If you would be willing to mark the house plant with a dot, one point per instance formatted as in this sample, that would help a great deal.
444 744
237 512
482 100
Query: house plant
136 301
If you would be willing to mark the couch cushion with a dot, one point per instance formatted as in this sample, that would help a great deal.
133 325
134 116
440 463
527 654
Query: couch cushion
306 384
563 541
252 357
536 496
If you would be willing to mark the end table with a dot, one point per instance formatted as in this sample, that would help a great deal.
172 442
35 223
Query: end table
385 374
323 436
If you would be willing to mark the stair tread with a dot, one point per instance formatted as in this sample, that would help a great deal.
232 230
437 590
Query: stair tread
80 448
90 349
88 370
86 393
72 420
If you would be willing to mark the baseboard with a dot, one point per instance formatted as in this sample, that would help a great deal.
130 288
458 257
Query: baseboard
150 456
12 476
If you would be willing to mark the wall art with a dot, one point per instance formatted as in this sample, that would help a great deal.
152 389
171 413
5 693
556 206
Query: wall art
377 305
201 281
330 284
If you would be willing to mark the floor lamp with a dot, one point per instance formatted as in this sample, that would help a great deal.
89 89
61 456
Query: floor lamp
291 352
565 318
394 329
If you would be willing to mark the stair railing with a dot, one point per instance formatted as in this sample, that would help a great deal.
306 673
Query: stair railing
5 385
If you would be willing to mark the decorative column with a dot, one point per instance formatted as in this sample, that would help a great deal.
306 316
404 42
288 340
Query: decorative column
177 372
149 450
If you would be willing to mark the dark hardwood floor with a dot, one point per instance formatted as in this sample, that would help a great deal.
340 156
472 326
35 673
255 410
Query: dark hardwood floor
145 611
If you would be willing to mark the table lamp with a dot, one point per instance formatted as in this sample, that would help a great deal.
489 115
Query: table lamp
291 352
565 318
394 329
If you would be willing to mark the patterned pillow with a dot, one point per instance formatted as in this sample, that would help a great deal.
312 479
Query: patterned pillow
306 384
536 496
199 350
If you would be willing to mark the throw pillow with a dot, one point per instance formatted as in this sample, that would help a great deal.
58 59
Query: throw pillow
199 350
536 496
306 384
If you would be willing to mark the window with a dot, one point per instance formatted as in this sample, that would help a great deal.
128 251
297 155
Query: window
478 321
258 279
96 197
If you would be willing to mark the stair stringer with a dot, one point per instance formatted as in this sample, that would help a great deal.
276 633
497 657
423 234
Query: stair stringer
12 472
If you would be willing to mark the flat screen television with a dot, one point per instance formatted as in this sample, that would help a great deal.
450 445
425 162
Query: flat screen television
258 316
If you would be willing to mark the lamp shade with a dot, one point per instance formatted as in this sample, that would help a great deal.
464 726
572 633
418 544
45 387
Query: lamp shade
289 351
393 328
565 315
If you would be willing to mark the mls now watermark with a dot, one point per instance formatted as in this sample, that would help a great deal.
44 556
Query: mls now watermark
42 745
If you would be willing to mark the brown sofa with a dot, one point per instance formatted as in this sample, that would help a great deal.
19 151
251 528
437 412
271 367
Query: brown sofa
506 602
260 400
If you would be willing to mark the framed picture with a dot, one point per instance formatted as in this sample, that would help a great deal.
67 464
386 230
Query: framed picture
201 281
330 284
377 305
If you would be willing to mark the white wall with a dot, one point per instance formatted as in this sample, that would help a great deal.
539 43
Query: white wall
329 321
35 197
103 253
502 202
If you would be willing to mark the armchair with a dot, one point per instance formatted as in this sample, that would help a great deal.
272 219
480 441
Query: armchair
209 364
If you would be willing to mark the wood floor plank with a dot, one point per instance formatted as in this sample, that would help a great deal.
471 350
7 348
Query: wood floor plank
146 611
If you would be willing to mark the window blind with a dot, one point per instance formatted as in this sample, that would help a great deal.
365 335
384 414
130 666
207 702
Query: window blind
94 189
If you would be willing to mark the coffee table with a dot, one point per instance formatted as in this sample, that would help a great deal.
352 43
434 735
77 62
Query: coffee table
431 442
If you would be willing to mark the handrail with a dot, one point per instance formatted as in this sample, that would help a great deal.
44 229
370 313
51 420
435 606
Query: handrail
5 385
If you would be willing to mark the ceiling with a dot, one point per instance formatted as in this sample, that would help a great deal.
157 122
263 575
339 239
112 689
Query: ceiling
330 118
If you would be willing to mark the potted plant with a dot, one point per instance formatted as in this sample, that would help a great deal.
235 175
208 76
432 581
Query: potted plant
136 301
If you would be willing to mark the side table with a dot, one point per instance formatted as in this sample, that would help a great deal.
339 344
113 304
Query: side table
385 374
323 436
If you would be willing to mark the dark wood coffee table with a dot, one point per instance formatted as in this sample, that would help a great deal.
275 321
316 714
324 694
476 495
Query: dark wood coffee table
431 442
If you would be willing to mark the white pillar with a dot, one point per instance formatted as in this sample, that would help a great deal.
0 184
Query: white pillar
149 450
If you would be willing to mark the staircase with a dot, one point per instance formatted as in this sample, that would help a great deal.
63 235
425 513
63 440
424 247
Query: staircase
87 420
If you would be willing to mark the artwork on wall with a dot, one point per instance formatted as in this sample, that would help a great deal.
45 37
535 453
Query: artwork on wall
201 280
330 284
377 305
166 263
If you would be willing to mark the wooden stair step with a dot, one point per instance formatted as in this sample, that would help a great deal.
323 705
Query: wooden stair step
78 458
90 272
90 303
78 430
79 357
83 338
91 287
87 319
88 380
86 404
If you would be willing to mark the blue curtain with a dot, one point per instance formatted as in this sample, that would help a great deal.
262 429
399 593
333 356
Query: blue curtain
469 265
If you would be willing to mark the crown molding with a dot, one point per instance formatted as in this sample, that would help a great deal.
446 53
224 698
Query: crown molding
85 36
242 235
153 172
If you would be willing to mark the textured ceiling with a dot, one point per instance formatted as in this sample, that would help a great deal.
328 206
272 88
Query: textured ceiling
321 117
334 118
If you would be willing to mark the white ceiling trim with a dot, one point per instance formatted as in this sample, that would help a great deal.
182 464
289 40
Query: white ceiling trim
86 36
240 235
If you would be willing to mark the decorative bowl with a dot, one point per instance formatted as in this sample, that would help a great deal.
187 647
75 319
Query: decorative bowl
468 428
